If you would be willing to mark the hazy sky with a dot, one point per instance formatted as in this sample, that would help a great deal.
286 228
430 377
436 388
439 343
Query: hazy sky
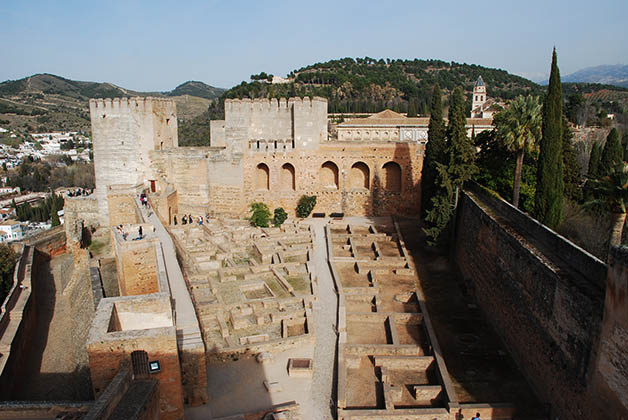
156 45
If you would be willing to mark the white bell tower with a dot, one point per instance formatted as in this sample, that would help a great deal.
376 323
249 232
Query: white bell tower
479 97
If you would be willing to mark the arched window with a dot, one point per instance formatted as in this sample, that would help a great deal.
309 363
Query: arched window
328 175
392 176
359 176
262 177
287 177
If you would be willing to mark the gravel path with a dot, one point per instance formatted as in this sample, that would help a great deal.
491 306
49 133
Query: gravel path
325 313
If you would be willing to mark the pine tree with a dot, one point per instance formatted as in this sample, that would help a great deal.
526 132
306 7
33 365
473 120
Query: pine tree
434 150
571 168
548 200
612 154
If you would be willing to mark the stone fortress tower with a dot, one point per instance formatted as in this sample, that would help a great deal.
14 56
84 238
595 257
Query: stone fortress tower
125 131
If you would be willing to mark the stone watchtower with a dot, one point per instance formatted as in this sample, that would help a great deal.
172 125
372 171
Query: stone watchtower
124 132
479 98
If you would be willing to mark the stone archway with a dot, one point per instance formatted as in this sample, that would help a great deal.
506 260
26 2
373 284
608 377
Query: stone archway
288 178
359 176
328 175
392 176
262 177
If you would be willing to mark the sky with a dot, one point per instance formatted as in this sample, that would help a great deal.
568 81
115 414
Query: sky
157 45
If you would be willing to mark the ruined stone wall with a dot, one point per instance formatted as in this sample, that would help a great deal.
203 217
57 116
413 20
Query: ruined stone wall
124 132
106 358
136 263
357 179
200 175
18 317
81 208
549 318
122 209
51 242
110 348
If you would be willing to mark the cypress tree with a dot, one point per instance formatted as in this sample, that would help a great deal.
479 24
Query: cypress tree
460 148
457 167
411 109
612 154
594 170
594 161
434 150
54 217
571 168
548 200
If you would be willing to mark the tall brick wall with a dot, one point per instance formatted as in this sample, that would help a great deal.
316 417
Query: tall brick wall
550 318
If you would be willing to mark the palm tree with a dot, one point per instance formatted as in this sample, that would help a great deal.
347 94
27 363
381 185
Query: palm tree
519 125
612 193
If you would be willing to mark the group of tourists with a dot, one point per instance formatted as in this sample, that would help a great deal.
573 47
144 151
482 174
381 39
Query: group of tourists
140 233
79 192
188 219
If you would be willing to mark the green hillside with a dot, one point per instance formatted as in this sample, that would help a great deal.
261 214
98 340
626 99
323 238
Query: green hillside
370 85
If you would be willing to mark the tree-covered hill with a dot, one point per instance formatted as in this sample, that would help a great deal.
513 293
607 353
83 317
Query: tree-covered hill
370 85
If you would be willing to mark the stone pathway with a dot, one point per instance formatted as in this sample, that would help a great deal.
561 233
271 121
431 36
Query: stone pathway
323 404
184 309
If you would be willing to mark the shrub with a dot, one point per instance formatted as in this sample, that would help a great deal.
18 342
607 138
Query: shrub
260 215
306 205
279 217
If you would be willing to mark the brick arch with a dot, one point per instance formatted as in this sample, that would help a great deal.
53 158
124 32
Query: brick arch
328 175
288 178
392 176
262 177
359 175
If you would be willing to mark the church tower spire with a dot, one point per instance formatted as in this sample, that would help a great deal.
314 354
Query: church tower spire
479 98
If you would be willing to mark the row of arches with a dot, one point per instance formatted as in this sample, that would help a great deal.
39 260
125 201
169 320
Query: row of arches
328 176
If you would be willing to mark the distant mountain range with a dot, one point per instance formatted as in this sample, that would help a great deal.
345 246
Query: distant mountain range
616 75
45 102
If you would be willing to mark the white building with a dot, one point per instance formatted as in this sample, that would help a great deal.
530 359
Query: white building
12 229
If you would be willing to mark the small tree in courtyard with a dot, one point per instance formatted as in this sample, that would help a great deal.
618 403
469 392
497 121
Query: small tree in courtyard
279 217
260 215
306 205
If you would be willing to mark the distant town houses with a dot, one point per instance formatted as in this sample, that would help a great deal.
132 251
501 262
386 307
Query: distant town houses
10 230
69 143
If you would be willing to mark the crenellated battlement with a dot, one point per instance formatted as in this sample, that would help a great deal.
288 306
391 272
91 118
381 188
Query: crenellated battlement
265 105
138 104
